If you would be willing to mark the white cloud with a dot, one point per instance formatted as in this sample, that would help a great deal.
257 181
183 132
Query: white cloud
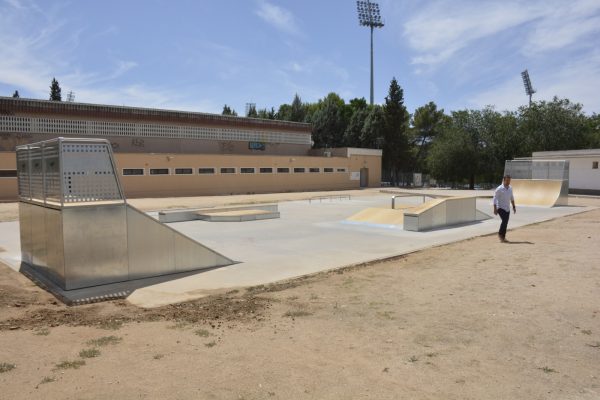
278 17
441 29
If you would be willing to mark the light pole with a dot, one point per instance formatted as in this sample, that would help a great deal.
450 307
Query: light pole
527 83
368 15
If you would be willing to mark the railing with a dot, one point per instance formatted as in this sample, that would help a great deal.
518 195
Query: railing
406 195
330 198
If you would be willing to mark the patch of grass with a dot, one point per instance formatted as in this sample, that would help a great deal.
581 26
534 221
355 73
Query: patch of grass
104 341
158 356
47 379
413 359
297 313
548 370
179 325
314 297
70 364
431 355
5 367
234 291
89 353
292 298
111 324
386 314
254 289
42 332
596 345
202 332
586 331
210 344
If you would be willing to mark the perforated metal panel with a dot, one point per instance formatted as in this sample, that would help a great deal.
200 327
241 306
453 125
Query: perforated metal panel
88 173
537 169
67 171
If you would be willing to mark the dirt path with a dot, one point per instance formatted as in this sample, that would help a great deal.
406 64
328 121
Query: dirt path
471 320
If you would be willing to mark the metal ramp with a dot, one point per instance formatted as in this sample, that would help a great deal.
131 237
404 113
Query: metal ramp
539 182
77 229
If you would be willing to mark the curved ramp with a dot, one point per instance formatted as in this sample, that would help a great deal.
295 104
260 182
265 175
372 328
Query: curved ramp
541 192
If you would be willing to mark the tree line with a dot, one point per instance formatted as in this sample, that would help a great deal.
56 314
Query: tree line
460 147
457 148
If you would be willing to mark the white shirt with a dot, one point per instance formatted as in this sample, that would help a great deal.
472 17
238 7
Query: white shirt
503 196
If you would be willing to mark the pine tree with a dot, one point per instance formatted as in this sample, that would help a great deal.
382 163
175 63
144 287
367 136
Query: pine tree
228 111
55 91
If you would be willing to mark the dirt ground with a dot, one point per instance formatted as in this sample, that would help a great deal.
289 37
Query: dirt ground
476 319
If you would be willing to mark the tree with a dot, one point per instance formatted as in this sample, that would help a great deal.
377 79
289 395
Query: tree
373 128
16 94
55 90
251 113
592 136
328 122
426 121
354 130
396 149
228 111
555 125
298 110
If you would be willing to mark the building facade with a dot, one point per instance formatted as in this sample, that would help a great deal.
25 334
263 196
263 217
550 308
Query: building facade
163 153
584 171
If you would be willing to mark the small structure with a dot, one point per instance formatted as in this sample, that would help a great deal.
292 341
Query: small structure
539 182
77 229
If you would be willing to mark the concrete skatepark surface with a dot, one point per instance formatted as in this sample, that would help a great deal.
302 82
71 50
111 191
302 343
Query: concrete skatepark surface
309 237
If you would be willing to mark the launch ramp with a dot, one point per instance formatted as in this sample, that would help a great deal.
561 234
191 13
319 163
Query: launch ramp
77 229
439 213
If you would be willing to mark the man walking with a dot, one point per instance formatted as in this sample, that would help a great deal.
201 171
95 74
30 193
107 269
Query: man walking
503 197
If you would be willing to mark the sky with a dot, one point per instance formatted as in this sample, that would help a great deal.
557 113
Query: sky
198 55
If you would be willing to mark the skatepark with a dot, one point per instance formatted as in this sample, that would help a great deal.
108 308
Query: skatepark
331 288
303 237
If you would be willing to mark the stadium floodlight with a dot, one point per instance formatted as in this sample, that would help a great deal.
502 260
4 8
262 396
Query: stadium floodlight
527 83
369 15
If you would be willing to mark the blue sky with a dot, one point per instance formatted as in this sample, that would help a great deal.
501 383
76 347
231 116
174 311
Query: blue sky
197 55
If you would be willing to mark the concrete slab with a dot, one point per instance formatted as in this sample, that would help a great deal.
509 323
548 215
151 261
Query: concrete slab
308 238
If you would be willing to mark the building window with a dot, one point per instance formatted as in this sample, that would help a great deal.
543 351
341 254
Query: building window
327 169
266 170
594 164
298 170
206 171
314 170
228 170
8 173
133 171
283 170
341 170
247 170
184 171
159 171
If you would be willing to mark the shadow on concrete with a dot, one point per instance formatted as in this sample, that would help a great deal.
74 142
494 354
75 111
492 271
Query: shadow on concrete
95 294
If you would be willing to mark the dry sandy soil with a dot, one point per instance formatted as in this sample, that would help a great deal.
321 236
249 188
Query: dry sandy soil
476 319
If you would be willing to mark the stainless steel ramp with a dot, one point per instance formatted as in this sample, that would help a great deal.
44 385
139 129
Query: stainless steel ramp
77 228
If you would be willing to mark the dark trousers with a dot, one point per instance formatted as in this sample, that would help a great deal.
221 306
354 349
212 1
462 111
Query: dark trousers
504 215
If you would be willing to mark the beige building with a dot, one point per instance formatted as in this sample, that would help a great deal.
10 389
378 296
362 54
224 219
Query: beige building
172 153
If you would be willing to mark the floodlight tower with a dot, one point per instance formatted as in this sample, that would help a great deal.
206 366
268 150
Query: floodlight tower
368 15
527 83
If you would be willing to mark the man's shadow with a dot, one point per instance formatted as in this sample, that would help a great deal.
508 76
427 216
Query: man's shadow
522 242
